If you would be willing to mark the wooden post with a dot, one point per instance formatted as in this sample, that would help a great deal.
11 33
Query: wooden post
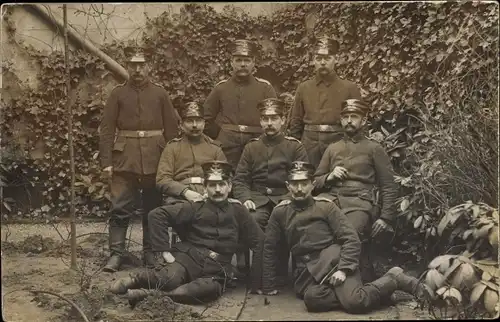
69 110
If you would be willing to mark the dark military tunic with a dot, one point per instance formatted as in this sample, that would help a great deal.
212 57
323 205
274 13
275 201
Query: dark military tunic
182 159
136 108
310 228
207 226
319 102
368 167
322 242
232 102
134 159
262 170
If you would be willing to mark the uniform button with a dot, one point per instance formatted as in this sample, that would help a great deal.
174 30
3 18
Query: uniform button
269 191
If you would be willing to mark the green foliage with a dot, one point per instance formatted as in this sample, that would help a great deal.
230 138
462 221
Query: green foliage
431 79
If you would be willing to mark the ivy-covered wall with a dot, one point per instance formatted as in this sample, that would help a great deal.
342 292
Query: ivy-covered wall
429 69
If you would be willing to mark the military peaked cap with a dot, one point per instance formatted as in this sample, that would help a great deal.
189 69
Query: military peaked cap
217 171
271 106
326 46
300 170
192 109
355 106
243 47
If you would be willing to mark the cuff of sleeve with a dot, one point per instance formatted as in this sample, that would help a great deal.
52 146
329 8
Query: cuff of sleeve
387 218
176 189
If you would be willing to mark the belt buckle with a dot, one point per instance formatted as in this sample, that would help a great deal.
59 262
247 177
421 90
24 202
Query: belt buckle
269 191
141 134
242 127
212 255
323 127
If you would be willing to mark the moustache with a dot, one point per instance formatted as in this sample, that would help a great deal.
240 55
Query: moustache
218 195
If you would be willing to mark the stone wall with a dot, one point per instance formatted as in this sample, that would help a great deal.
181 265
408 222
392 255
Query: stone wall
99 23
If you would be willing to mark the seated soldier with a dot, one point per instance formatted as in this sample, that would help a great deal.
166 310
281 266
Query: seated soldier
179 175
352 170
196 269
260 177
326 249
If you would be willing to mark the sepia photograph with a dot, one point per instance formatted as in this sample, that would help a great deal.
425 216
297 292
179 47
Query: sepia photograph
253 161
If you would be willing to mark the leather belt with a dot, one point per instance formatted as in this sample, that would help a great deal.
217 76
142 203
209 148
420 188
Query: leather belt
139 134
353 184
322 128
193 180
242 128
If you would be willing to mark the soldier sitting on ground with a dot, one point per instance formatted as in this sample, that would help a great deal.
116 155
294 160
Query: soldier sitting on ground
326 249
197 269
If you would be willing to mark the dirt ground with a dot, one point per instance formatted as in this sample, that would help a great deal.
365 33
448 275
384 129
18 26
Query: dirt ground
35 258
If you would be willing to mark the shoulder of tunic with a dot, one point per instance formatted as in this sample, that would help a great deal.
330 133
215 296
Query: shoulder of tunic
174 140
254 139
211 141
322 199
291 138
284 203
119 85
157 85
221 82
231 200
262 80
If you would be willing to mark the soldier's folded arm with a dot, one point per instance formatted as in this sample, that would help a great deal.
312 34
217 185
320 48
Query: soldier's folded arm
242 179
323 171
107 129
273 235
297 116
177 215
348 239
211 109
385 178
165 174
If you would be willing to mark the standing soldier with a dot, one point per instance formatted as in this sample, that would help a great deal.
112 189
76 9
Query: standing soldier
262 171
180 176
315 116
326 249
196 269
231 108
138 119
352 170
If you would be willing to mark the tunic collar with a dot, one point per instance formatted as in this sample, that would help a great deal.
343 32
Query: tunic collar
328 80
303 204
272 140
356 137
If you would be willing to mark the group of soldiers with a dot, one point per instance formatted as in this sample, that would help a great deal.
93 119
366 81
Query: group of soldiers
234 181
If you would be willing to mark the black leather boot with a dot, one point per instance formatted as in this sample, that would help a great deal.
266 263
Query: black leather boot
137 295
199 291
122 285
117 237
410 284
